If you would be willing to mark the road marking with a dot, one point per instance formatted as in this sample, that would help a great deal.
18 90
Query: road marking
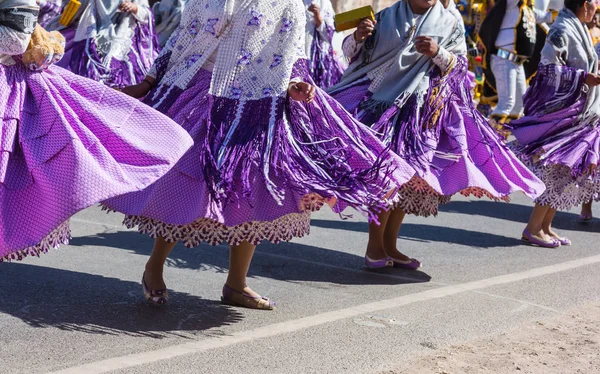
276 329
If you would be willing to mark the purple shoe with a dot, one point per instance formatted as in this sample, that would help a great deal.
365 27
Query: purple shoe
585 218
385 262
564 241
411 264
532 240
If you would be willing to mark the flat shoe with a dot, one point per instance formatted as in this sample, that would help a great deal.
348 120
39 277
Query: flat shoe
411 264
249 301
386 262
532 240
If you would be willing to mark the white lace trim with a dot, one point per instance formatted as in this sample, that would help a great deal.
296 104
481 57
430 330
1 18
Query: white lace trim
564 192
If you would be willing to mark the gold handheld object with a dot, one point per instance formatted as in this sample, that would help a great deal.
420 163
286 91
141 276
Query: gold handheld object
350 20
69 12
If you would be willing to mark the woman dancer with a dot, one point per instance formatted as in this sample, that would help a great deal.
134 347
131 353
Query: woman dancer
326 69
270 148
66 143
167 16
110 41
408 79
49 9
559 135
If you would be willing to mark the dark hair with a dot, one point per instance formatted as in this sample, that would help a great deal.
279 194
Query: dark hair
573 5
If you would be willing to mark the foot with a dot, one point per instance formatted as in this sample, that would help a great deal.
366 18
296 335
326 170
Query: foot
376 252
154 278
554 235
539 238
586 213
403 261
246 297
154 296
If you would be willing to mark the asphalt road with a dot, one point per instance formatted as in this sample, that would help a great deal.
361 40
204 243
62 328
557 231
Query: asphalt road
80 309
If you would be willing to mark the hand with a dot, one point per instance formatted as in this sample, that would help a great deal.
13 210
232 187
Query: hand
316 11
426 46
139 90
364 30
302 91
128 7
592 80
592 168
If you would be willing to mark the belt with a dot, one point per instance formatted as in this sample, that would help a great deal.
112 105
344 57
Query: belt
517 59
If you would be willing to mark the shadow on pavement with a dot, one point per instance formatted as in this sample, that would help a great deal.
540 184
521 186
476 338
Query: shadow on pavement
72 301
430 233
284 261
517 213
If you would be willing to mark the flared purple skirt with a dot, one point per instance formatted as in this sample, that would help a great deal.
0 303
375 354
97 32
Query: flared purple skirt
83 58
265 182
559 145
451 146
67 143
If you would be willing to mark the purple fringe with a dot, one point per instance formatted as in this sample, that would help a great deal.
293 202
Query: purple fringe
301 154
413 131
87 62
325 67
552 129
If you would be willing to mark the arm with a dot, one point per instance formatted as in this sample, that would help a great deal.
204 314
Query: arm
16 27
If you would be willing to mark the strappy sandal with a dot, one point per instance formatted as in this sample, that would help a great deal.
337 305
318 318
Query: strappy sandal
248 301
532 240
154 297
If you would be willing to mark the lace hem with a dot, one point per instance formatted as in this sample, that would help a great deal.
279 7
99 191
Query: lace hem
214 233
58 236
563 191
417 197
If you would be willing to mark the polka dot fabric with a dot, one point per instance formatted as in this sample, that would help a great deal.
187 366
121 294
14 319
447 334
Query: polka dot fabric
67 143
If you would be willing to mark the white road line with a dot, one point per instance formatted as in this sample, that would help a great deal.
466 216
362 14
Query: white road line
132 360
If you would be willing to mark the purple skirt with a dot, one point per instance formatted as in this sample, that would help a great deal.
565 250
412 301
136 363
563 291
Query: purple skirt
268 178
82 58
67 143
448 142
555 141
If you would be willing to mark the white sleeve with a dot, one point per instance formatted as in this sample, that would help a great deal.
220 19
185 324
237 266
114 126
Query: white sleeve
143 14
351 47
443 59
13 42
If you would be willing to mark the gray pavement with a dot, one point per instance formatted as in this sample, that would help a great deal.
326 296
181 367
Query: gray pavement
79 309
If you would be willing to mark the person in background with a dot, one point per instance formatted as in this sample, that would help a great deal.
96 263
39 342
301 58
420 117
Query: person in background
167 16
326 68
559 134
508 35
110 41
49 9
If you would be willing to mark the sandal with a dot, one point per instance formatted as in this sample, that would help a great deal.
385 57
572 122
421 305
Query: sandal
585 218
154 297
249 301
532 240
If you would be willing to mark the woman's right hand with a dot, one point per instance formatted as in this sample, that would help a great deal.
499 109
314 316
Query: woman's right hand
364 30
592 80
137 91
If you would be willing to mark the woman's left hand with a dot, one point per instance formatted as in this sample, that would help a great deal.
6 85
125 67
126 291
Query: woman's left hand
302 91
129 7
426 46
316 10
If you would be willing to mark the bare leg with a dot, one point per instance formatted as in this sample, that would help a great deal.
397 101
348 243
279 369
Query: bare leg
376 246
547 224
390 238
240 257
586 209
156 263
536 220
